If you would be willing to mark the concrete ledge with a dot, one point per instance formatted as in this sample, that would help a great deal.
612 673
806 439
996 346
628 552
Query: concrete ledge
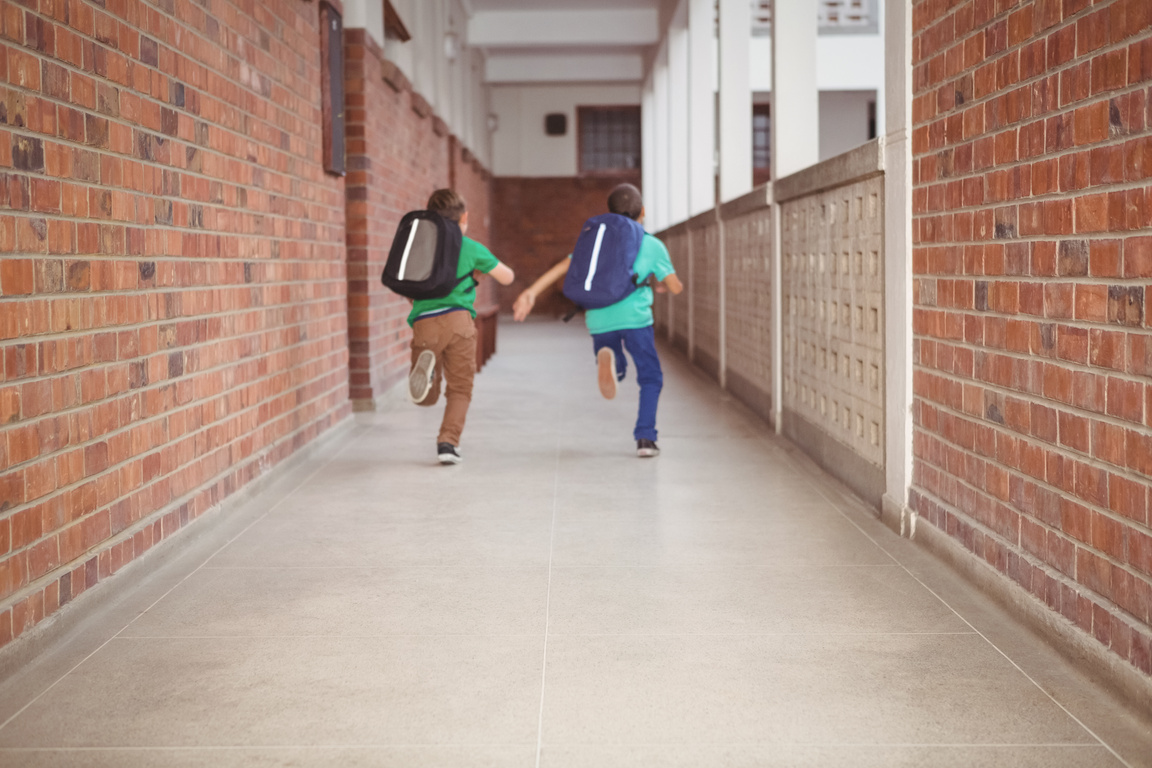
863 477
1080 649
757 399
114 601
707 363
756 200
864 162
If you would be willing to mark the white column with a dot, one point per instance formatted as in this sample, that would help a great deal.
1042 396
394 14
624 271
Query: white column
678 65
795 97
363 14
702 107
736 97
648 148
658 203
898 265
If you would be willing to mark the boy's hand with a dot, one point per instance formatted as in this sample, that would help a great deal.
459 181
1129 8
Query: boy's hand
523 305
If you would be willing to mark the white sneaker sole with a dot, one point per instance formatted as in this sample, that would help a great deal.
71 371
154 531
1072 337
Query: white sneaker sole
647 453
420 378
448 458
606 372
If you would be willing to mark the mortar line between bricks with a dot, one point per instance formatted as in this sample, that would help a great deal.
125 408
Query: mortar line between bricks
139 293
198 37
149 98
958 615
167 351
307 479
1086 458
157 226
1069 365
1035 36
215 397
1034 561
301 407
156 516
1124 472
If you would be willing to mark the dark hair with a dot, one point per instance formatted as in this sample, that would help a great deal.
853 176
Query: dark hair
448 204
625 199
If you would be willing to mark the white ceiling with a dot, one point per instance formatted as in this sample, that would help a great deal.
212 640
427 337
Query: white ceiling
557 41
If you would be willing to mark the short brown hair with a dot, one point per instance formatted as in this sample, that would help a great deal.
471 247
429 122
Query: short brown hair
448 204
625 199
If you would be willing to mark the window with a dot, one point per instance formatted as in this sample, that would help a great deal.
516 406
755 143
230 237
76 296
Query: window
609 139
761 143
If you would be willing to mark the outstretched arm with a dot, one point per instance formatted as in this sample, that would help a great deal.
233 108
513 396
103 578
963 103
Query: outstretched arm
503 274
527 298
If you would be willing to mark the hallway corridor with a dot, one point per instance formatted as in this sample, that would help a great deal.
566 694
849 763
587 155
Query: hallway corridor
553 601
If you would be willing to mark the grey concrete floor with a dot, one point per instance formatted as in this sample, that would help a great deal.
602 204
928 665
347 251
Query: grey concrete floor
553 601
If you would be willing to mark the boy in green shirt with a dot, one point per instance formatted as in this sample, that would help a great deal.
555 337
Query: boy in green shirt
627 324
444 333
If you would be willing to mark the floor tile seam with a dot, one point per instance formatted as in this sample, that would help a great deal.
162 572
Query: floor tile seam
812 481
245 747
594 745
156 602
511 635
688 566
548 594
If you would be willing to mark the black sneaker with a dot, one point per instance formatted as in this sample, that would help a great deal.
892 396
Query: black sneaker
647 448
447 453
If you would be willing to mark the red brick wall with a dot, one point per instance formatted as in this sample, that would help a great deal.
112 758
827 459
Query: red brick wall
1033 253
535 223
172 291
398 153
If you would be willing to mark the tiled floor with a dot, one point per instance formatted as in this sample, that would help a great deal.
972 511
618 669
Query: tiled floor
553 601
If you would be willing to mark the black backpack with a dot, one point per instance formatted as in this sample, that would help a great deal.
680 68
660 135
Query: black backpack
424 257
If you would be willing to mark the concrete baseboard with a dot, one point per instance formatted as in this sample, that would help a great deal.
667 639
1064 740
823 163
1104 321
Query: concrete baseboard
179 554
1072 643
864 478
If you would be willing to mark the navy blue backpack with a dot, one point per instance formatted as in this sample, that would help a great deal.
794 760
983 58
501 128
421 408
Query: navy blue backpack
601 272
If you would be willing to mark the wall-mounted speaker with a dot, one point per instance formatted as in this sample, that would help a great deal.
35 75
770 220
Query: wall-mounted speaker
556 124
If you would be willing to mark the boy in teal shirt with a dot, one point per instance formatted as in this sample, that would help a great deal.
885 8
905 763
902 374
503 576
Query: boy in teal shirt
444 333
625 325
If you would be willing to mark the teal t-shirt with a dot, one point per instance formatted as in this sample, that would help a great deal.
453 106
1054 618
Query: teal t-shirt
473 256
635 310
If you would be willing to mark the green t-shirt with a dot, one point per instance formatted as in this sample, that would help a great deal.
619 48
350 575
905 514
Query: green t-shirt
473 256
635 310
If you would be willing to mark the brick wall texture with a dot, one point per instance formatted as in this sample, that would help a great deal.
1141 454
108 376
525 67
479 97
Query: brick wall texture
175 289
536 223
1032 213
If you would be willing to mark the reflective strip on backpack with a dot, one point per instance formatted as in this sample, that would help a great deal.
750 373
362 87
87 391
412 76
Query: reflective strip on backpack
407 249
595 257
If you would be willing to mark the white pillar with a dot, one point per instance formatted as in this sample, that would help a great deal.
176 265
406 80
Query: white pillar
648 148
363 14
702 107
658 203
678 66
736 97
898 266
795 97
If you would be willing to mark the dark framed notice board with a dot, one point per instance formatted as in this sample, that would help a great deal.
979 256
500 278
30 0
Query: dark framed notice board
332 86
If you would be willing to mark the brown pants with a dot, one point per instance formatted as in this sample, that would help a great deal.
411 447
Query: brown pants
452 338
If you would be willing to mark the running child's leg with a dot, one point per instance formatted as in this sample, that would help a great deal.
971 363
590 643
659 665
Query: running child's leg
610 361
641 344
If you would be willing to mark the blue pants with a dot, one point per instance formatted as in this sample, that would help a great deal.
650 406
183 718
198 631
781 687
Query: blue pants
641 344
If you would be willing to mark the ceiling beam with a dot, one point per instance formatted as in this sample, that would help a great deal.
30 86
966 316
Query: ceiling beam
601 27
563 68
